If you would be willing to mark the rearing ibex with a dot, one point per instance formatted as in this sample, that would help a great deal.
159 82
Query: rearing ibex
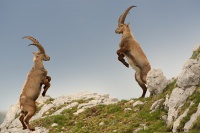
32 86
131 49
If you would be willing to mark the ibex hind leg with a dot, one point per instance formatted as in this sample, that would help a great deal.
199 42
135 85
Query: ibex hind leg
28 117
21 118
47 85
144 72
141 84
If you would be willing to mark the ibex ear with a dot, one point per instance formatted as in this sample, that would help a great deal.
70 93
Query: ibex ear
128 24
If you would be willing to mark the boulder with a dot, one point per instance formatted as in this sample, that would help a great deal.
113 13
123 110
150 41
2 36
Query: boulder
137 103
190 75
156 81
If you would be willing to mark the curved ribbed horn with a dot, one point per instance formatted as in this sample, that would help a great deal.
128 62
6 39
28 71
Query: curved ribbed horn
36 43
123 16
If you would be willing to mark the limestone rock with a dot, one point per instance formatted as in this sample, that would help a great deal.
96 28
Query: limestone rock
137 103
127 109
156 81
101 123
193 118
156 105
177 122
196 48
190 75
137 130
11 116
176 100
54 125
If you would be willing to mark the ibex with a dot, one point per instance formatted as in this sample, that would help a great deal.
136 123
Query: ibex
33 84
131 49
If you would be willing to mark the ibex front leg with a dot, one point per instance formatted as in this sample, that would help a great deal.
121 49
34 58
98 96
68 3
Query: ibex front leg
47 84
120 54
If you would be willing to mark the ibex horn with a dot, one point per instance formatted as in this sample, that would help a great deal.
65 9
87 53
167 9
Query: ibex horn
35 43
123 16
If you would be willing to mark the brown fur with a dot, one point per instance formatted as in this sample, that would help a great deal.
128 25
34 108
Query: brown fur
32 87
130 48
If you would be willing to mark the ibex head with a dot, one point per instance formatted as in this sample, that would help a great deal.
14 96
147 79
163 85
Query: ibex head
41 55
121 25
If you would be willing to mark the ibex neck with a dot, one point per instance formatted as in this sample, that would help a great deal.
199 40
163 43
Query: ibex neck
126 36
38 65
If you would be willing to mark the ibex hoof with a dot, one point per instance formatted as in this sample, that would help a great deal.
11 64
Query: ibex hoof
127 65
142 97
43 94
24 128
32 129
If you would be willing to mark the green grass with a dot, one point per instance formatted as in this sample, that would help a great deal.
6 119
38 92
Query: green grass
49 101
113 117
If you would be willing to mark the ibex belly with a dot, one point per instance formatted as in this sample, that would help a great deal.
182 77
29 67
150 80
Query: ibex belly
137 69
32 90
32 85
132 63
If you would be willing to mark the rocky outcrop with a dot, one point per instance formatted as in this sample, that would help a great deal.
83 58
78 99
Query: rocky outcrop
193 118
186 84
156 105
11 123
176 101
156 81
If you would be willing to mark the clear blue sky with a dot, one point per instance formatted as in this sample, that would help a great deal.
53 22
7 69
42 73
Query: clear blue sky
80 39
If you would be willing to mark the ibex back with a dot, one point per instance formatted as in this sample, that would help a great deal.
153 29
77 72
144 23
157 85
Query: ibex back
32 86
131 49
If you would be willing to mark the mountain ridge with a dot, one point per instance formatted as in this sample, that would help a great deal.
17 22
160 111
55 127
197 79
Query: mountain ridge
175 107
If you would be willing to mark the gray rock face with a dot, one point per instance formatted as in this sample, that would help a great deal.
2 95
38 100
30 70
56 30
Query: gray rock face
177 122
186 84
176 100
156 105
190 75
12 124
156 81
11 116
137 103
193 118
